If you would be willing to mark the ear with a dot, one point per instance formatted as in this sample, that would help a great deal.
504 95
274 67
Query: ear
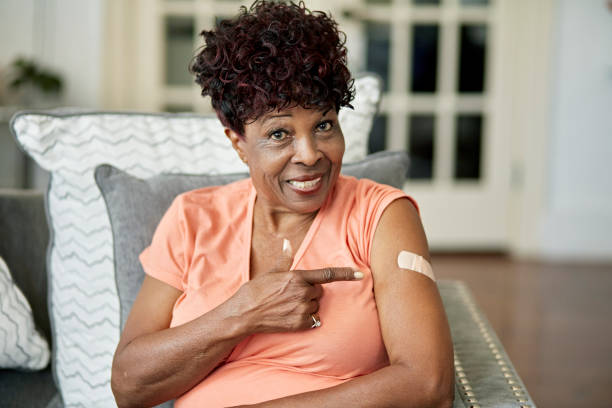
237 143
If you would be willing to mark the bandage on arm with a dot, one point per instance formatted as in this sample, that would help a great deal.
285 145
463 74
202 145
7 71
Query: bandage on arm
414 262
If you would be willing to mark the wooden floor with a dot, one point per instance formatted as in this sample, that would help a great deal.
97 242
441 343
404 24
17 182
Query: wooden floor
555 321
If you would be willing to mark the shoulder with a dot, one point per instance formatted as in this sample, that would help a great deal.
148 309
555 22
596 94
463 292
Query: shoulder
358 205
367 194
399 229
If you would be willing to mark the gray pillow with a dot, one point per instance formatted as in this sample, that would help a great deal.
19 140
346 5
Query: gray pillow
135 206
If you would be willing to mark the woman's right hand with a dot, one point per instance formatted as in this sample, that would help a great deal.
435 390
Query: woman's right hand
285 301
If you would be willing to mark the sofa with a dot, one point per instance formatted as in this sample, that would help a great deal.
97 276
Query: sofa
485 376
73 249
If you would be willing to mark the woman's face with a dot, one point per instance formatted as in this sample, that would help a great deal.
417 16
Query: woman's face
294 156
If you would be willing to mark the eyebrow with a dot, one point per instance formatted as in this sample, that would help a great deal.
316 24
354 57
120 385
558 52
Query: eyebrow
267 118
287 115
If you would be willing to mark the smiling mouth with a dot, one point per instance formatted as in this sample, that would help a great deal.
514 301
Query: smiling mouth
307 185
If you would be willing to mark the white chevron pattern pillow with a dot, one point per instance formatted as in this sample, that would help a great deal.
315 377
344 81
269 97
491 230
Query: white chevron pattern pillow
84 304
21 346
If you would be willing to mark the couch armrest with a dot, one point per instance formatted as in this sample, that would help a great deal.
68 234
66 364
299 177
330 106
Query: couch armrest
484 375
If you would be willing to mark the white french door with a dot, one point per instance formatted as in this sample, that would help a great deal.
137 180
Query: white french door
440 61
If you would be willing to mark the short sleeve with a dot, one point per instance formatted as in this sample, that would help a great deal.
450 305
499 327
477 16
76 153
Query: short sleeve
373 199
165 258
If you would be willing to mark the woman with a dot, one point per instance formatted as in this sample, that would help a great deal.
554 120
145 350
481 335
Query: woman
288 288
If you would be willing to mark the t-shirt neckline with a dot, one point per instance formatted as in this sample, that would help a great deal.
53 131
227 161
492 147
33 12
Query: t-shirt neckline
312 230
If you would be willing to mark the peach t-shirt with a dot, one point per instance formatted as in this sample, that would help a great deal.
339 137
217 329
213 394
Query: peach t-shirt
202 247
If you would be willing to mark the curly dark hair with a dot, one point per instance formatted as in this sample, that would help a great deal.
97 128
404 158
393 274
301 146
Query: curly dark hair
273 55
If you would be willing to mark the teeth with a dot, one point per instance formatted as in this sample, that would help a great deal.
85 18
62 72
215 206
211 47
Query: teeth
302 185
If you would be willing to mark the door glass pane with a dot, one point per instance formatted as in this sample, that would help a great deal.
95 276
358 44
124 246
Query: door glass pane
424 57
473 40
468 145
475 2
419 2
378 50
179 50
421 146
377 141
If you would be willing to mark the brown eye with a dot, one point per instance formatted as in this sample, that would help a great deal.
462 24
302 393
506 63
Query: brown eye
278 135
324 126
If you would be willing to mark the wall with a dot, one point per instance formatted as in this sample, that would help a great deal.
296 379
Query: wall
16 29
64 36
577 216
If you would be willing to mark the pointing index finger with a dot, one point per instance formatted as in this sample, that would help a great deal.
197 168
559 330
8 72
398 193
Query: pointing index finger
327 275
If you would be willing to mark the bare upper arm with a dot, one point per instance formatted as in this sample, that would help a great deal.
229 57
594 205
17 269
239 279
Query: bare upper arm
151 312
412 317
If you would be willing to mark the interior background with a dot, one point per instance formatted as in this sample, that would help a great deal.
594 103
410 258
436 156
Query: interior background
559 204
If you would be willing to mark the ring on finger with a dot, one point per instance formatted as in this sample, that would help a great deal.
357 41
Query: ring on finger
316 321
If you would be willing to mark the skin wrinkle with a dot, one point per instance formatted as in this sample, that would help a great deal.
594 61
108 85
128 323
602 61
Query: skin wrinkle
329 274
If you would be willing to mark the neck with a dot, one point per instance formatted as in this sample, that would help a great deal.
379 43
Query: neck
281 223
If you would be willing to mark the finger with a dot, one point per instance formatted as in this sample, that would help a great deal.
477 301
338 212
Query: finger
308 308
285 258
314 292
327 275
313 307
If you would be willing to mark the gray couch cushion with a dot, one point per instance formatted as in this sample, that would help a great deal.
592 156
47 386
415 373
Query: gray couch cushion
135 207
26 389
23 246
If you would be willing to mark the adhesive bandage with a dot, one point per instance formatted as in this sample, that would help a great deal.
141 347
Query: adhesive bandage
287 247
414 262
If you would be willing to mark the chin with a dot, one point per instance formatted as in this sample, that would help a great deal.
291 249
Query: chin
309 198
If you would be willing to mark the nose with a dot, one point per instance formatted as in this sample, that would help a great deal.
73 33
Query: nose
306 151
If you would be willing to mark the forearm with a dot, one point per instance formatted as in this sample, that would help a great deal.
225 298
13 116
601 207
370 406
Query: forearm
392 386
161 366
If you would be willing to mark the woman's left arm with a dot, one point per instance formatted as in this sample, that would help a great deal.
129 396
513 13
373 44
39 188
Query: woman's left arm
414 329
